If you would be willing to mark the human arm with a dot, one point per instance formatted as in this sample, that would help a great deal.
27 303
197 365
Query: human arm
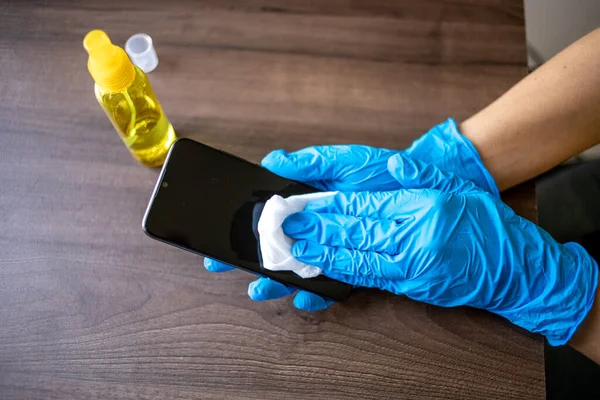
587 338
548 117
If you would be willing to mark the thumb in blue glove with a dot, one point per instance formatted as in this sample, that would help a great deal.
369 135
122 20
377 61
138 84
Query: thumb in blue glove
446 242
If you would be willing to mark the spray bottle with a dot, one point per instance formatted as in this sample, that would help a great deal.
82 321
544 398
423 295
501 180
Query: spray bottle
126 96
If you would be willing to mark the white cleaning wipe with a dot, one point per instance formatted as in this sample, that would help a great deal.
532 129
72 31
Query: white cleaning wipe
275 246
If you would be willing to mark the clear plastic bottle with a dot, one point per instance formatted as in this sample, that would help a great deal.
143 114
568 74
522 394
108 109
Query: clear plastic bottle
126 96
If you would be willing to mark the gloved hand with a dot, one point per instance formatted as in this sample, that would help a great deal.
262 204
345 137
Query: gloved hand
363 168
358 168
444 241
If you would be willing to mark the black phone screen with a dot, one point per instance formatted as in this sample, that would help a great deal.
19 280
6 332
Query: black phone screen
209 202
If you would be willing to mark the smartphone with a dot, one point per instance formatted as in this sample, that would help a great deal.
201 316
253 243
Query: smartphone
208 202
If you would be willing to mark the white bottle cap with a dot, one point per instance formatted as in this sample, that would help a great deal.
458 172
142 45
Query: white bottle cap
141 51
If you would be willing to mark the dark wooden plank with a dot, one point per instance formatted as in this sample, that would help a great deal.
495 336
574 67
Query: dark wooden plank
425 32
91 308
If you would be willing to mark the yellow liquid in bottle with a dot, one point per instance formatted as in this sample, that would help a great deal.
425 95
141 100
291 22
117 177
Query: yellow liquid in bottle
138 117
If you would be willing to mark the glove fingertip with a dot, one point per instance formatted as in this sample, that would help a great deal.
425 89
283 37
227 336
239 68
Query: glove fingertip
274 159
311 302
255 291
300 248
300 225
215 266
264 289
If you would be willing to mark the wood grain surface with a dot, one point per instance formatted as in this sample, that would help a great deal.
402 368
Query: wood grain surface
90 308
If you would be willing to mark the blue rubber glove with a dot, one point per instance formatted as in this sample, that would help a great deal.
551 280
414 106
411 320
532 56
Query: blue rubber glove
354 168
446 242
363 168
444 147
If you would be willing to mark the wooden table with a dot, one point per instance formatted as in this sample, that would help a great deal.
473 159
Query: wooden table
92 308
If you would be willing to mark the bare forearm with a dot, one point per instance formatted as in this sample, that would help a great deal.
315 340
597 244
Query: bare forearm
587 338
548 117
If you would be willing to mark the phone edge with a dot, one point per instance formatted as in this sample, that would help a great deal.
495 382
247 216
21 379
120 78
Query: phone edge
150 235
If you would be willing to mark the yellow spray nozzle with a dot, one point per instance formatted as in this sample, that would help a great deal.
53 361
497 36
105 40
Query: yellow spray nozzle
108 64
95 39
